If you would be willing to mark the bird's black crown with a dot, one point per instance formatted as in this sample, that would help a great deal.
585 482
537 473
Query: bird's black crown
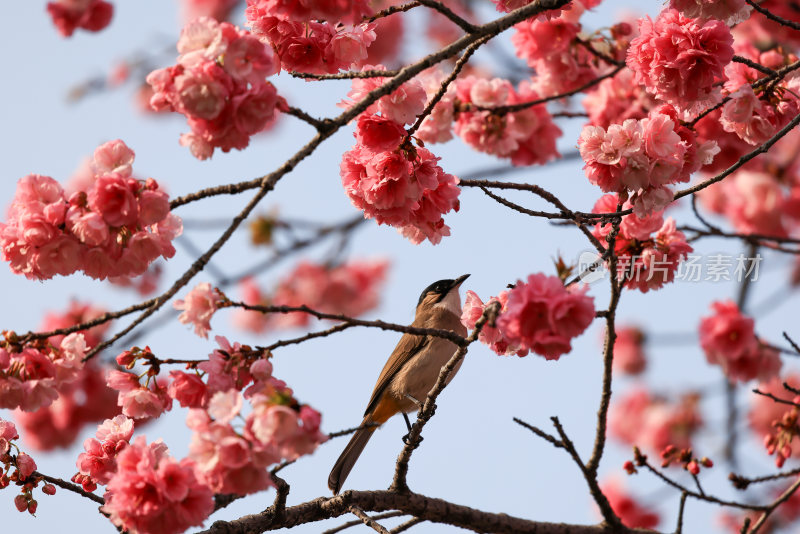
441 288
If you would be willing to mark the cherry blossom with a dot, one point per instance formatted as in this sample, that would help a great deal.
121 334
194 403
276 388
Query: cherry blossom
680 59
153 493
90 15
393 181
631 513
490 335
198 307
638 418
642 157
527 137
219 84
629 356
304 44
645 261
728 339
118 226
543 316
351 289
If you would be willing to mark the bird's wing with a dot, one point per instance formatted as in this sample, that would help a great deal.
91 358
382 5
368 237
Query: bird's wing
406 348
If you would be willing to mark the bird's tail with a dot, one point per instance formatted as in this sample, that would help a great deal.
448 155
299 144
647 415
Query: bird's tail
349 455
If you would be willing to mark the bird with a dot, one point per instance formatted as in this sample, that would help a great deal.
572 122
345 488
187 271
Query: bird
410 372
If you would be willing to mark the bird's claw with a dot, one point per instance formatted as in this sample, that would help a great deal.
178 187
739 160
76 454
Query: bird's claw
407 440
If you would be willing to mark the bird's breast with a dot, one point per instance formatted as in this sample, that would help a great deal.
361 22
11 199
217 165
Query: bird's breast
419 375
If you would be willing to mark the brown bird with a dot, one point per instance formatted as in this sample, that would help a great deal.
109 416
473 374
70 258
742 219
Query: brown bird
410 372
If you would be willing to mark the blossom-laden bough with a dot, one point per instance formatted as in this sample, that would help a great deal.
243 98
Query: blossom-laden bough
703 91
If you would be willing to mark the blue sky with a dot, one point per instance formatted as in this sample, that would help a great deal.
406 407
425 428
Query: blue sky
473 453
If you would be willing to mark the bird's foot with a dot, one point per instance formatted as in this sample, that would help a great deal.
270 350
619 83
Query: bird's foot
407 439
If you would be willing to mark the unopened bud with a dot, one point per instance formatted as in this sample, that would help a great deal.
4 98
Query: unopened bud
692 467
49 489
21 503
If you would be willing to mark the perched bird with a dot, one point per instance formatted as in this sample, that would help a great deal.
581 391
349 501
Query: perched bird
410 372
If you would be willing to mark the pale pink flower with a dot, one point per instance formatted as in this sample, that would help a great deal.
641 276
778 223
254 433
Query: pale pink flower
405 189
543 316
153 493
637 418
188 389
113 157
401 105
630 512
225 405
728 339
198 307
679 59
629 356
25 465
90 15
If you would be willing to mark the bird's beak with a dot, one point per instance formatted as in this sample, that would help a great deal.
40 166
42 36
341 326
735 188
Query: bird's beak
457 282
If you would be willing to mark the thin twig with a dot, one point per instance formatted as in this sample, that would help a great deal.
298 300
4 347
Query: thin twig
367 520
356 522
69 486
770 15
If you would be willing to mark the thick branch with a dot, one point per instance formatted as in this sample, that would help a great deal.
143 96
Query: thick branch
421 506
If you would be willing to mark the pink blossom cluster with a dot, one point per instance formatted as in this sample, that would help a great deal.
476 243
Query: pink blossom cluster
642 157
540 315
98 463
769 419
628 509
278 427
527 136
351 288
490 335
225 458
638 418
680 60
729 340
755 117
118 226
23 467
550 48
386 176
629 356
644 261
32 373
219 84
756 202
216 9
152 493
617 99
137 400
307 36
437 127
198 307
90 15
728 11
82 401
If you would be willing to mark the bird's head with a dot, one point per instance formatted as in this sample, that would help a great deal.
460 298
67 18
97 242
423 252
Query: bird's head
444 294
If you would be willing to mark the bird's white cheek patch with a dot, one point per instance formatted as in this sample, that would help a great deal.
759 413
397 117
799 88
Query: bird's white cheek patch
451 303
